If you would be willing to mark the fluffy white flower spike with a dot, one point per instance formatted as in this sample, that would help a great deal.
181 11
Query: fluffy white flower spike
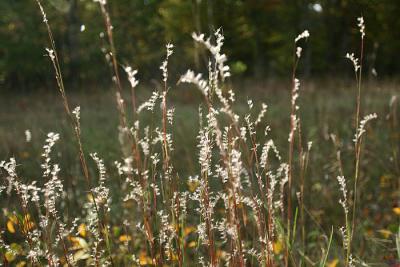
361 25
303 35
131 76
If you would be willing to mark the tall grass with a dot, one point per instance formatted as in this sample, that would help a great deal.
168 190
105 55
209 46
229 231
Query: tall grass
240 209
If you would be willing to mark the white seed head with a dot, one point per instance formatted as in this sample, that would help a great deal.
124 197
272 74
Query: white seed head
361 25
28 135
361 129
131 76
190 77
303 35
50 53
354 60
77 113
343 189
298 51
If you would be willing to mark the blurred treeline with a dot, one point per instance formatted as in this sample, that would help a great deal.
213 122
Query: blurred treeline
259 37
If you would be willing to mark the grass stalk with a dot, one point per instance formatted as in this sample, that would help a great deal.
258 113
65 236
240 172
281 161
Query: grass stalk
75 124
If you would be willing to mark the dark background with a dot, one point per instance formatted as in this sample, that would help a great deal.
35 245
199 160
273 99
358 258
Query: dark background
259 38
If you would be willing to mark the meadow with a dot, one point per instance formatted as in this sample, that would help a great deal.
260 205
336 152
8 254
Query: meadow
205 170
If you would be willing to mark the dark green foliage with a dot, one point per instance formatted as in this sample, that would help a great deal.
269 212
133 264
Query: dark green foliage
259 37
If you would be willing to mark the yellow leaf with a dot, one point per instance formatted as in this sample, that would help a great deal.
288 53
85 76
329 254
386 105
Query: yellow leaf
385 233
220 254
125 238
13 218
192 244
78 243
172 256
193 186
10 255
144 259
21 264
189 230
277 246
332 263
16 248
82 230
10 227
90 197
396 210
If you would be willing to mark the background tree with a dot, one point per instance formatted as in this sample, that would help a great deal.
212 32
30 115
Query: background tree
259 37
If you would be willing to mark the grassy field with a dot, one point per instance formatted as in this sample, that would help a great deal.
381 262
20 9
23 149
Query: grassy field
326 109
327 113
203 171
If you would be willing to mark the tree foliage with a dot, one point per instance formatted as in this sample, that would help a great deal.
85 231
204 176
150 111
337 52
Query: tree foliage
259 36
